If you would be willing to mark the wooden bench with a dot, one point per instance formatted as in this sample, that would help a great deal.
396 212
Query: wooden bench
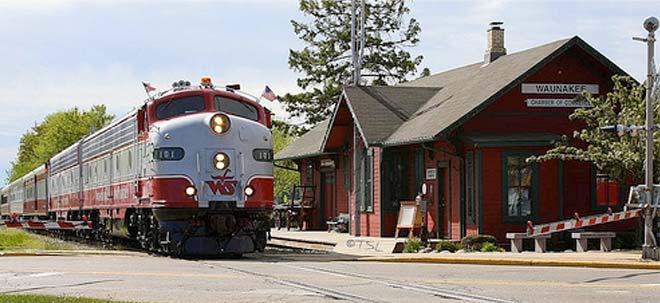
581 239
517 240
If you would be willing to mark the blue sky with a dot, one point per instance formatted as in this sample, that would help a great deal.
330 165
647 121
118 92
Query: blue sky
58 54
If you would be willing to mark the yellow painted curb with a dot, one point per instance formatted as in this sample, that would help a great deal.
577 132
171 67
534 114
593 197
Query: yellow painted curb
517 262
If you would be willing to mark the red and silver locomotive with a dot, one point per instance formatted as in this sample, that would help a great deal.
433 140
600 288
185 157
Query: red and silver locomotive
188 173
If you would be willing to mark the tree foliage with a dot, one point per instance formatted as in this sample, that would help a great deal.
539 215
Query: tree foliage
620 157
284 178
325 60
58 131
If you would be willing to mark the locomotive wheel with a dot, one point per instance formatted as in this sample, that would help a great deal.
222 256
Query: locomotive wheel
147 234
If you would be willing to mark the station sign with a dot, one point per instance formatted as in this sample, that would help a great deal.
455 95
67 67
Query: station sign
555 102
559 88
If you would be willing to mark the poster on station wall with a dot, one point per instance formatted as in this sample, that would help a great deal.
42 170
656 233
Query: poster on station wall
431 173
559 88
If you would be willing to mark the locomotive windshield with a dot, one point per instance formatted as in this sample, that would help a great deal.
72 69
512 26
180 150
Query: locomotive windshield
180 106
236 107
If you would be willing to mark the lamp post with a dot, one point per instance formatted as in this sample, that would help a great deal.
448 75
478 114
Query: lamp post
649 248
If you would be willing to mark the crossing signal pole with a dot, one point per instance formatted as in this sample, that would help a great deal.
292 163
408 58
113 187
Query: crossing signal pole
646 194
650 247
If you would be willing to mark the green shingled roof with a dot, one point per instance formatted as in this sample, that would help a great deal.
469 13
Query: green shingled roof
381 110
308 145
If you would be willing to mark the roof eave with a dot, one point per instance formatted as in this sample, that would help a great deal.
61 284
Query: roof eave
326 135
302 156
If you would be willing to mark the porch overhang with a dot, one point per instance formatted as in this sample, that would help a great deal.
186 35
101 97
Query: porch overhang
504 140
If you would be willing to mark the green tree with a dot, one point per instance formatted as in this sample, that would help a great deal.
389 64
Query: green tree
284 178
58 131
620 157
325 60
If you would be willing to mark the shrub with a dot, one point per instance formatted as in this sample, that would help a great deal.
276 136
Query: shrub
475 242
490 247
446 245
412 245
627 240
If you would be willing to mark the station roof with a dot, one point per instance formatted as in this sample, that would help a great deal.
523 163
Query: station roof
308 145
429 108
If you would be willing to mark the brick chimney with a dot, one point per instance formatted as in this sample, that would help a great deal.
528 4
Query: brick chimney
495 42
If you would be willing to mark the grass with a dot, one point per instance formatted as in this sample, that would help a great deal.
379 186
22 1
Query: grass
18 239
49 299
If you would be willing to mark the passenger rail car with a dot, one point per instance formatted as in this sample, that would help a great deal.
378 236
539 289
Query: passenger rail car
188 173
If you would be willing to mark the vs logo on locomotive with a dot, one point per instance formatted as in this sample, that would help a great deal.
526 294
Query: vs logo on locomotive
224 184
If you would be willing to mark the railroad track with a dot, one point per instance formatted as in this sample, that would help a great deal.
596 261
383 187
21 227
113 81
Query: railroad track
343 295
431 290
327 292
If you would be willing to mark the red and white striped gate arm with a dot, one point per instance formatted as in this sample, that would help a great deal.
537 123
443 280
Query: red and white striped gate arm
49 225
580 222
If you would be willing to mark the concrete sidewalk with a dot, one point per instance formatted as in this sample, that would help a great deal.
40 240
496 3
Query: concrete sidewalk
341 243
380 250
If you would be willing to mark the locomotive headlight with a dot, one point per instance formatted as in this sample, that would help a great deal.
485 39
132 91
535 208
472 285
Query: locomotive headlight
191 191
220 124
221 161
249 191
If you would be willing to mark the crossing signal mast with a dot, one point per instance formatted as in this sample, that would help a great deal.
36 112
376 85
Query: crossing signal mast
358 37
647 196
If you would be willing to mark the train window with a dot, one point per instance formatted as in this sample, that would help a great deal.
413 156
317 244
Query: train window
89 172
130 160
180 106
236 107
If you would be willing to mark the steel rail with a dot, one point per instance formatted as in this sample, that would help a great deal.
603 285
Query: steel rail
334 294
435 291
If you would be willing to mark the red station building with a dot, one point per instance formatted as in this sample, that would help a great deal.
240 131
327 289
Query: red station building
466 133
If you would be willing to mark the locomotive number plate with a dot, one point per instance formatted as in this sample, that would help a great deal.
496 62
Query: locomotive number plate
263 155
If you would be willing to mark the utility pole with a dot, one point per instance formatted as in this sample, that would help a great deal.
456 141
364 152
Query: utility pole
650 247
353 44
358 34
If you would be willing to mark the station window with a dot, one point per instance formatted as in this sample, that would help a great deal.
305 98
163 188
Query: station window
470 200
365 179
520 187
309 173
607 192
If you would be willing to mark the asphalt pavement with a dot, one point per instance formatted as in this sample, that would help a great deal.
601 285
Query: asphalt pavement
282 277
